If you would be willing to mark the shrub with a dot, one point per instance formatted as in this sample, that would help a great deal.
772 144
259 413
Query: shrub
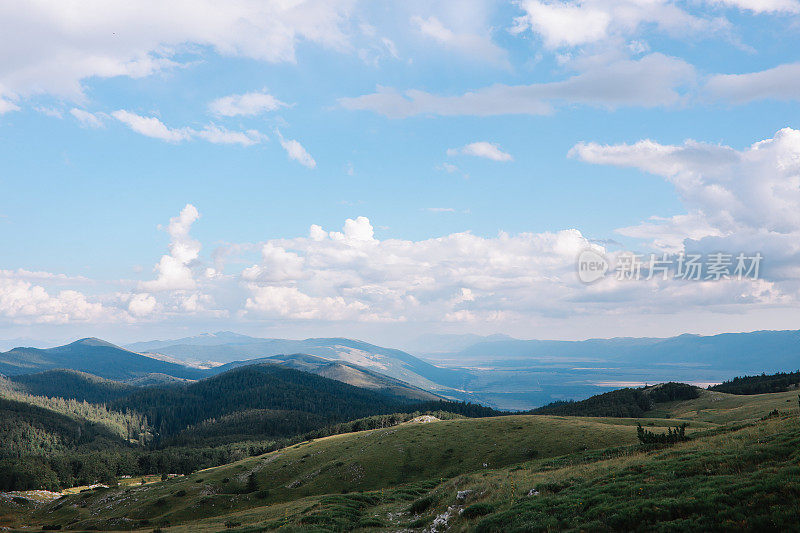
477 509
421 505
670 437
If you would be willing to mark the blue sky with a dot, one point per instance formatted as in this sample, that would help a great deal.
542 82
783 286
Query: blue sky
483 144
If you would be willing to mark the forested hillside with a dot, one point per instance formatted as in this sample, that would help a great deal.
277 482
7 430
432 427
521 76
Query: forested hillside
72 384
271 387
65 440
780 382
626 402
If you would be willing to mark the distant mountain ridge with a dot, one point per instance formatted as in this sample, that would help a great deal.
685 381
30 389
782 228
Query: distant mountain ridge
757 351
203 339
234 349
93 356
344 372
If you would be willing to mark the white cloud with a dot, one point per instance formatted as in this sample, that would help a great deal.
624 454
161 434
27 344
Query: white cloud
49 111
153 127
46 48
220 135
87 119
174 271
296 151
141 305
779 83
761 6
276 265
481 149
23 302
651 81
447 167
474 45
247 104
440 209
736 200
351 275
289 302
7 106
578 23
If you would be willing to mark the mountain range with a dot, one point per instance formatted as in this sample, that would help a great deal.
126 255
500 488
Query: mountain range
498 371
232 348
758 351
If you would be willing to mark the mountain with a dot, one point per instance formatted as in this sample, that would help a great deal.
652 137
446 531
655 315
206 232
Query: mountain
91 355
346 373
256 386
7 344
758 351
233 348
204 339
432 343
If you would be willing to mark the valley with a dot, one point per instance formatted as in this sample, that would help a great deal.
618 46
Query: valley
319 443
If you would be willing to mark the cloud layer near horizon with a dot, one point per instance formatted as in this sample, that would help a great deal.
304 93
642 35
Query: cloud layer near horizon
736 201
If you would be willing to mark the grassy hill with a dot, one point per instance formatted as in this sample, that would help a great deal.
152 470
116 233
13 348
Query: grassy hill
371 460
721 408
519 472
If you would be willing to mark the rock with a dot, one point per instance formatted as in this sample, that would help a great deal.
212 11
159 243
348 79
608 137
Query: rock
462 495
533 492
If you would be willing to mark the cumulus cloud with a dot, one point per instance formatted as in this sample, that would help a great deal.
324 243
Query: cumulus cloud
141 305
296 151
737 200
173 271
289 302
24 302
247 104
153 127
352 275
481 149
651 81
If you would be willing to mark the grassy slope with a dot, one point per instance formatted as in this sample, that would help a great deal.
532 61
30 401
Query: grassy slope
589 472
368 460
722 408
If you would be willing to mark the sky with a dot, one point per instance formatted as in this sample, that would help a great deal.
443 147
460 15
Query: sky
382 170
